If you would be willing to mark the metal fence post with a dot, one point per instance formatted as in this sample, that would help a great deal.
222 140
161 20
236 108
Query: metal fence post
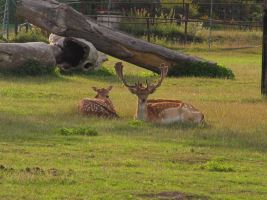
264 52
14 5
148 29
6 19
109 9
211 18
186 17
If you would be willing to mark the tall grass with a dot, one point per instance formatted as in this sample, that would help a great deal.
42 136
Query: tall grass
136 24
33 35
174 33
167 31
220 39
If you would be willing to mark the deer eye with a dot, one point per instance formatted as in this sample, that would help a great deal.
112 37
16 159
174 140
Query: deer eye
107 96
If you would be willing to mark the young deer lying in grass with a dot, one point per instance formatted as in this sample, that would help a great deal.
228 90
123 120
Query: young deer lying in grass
100 106
159 110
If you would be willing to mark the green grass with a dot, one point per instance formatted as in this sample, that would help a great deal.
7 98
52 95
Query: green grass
85 131
32 67
166 31
33 35
224 159
220 39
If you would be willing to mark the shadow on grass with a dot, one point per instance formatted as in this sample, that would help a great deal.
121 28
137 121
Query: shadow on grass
251 139
174 195
42 79
42 128
184 126
56 76
107 75
194 135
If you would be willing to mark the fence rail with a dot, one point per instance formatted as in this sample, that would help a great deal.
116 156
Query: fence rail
116 14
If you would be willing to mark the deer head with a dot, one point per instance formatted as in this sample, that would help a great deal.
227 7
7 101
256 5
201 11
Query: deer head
142 91
102 93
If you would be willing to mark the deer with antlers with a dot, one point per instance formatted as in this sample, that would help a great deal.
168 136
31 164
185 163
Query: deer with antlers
100 106
159 110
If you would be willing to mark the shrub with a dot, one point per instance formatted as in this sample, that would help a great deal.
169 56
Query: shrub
2 39
34 68
217 167
136 123
202 69
147 74
170 31
84 131
33 35
31 68
137 25
103 71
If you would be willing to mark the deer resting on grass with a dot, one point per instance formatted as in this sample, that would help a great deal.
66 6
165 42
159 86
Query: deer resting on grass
100 106
160 111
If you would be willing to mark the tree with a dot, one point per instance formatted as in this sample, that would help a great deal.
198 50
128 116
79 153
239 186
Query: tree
65 21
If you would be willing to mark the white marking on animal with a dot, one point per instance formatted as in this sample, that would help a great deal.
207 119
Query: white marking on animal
162 111
100 106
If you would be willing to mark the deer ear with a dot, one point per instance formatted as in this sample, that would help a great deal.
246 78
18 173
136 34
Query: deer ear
110 88
95 89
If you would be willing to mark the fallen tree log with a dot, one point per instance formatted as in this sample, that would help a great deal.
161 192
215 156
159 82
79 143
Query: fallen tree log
63 20
68 53
76 54
15 55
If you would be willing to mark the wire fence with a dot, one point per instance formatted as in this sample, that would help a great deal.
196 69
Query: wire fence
155 20
7 18
2 13
179 21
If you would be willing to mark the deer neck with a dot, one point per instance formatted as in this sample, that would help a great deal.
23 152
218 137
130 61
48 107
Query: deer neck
141 112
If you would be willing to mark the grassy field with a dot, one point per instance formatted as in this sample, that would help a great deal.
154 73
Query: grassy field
225 159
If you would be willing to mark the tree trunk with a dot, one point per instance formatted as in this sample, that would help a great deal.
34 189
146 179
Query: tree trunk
76 54
68 53
63 20
16 55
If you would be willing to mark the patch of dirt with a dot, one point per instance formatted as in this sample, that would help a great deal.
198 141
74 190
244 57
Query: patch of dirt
189 159
57 172
38 171
54 172
34 170
174 196
5 169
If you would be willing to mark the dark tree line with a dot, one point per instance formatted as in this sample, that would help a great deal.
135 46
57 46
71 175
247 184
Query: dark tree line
235 10
238 10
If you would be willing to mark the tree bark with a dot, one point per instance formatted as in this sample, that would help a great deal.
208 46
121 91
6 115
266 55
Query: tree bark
63 20
16 55
76 54
68 53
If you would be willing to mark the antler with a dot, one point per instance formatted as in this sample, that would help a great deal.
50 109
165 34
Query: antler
138 87
163 74
119 71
